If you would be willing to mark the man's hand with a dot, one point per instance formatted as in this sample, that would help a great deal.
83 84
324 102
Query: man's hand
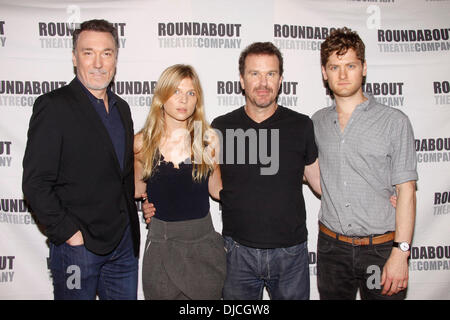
76 239
395 273
148 209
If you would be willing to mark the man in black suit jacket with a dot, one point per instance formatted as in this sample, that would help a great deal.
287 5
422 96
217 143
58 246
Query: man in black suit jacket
79 177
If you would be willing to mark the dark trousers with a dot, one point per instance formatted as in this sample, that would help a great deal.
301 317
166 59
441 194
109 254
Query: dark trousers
342 269
79 274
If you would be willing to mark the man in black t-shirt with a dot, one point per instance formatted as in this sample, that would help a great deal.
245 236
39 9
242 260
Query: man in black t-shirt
266 151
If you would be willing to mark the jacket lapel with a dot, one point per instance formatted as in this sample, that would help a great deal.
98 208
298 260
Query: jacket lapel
85 107
129 137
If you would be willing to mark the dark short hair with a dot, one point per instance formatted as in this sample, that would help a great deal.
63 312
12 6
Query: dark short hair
267 48
96 25
340 40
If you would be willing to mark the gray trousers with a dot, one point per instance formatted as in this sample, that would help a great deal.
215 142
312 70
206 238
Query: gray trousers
183 260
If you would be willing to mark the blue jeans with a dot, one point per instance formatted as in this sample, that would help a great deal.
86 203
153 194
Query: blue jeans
283 271
342 269
79 274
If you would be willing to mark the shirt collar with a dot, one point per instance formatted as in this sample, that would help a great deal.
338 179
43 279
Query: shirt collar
364 106
111 98
369 103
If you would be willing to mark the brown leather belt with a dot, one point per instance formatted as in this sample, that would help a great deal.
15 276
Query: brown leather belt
358 241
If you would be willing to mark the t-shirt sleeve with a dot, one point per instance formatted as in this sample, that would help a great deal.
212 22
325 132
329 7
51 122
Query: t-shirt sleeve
311 152
214 123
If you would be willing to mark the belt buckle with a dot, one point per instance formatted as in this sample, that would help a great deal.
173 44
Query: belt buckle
356 239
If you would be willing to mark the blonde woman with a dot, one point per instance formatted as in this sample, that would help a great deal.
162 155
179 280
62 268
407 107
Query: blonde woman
175 164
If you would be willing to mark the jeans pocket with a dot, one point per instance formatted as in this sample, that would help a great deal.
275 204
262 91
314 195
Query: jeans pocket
77 246
324 245
383 250
229 244
296 250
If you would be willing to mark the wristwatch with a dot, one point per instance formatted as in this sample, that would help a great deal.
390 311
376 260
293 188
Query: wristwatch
404 246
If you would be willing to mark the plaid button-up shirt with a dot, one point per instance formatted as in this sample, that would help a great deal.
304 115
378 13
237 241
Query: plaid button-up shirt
361 166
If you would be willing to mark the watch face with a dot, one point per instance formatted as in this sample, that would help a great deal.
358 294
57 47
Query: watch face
404 246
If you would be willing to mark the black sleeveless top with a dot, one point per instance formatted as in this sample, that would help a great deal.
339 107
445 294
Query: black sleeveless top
174 193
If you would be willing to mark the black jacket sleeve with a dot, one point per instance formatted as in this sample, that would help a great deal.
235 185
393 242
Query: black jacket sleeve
41 167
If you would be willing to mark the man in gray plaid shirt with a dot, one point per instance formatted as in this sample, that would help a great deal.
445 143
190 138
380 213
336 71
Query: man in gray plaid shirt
366 154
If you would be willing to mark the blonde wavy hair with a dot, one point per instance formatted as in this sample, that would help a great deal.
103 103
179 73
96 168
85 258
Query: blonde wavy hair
154 127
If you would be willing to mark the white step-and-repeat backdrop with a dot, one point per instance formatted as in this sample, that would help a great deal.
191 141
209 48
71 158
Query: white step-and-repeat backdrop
408 68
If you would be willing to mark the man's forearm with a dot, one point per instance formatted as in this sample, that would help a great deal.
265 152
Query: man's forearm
312 175
405 213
